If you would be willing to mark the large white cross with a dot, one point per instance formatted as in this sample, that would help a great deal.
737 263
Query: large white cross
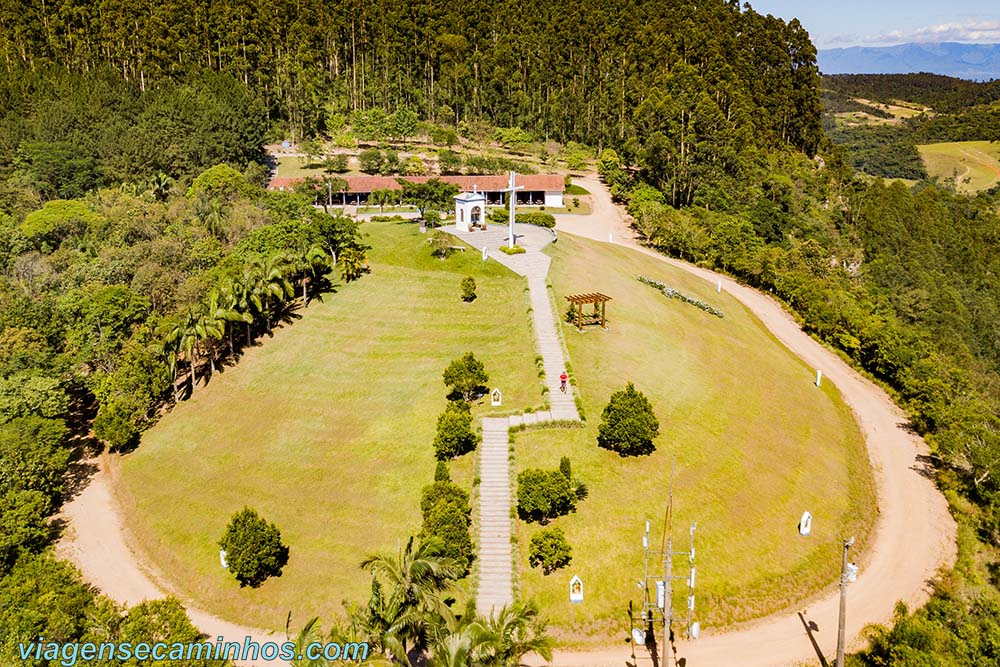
512 197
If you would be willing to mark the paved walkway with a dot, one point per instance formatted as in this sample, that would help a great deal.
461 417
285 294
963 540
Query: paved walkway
495 555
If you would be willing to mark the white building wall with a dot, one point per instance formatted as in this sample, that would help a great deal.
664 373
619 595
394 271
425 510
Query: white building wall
554 198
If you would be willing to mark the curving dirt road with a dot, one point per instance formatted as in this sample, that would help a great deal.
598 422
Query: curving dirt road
913 537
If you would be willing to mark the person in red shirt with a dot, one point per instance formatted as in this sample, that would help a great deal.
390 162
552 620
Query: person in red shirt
562 382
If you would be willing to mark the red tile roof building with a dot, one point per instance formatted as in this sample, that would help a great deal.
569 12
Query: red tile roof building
536 189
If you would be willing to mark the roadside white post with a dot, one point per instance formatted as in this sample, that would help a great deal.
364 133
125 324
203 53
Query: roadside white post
484 253
718 287
819 377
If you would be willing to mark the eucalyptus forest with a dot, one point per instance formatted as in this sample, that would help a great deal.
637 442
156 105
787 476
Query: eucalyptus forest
135 231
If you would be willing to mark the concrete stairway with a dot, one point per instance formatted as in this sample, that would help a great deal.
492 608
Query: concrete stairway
495 556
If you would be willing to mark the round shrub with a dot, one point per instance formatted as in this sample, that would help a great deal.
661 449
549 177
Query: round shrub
253 548
628 424
444 493
454 434
544 495
549 550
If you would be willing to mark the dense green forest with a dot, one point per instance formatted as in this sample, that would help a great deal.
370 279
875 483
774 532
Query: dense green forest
138 249
944 94
685 84
888 151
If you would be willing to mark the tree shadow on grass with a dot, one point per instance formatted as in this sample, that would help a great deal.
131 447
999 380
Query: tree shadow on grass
641 449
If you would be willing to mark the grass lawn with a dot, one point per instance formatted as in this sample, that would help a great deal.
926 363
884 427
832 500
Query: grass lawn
295 167
974 164
755 444
574 189
327 431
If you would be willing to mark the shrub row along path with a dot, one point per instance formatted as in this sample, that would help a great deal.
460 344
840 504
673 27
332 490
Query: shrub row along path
495 554
914 534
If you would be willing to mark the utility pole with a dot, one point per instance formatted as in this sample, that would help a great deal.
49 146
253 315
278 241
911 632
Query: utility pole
848 574
657 587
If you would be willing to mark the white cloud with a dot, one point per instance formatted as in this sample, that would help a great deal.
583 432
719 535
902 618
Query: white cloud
971 30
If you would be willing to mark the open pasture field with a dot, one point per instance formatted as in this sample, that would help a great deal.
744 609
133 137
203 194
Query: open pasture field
975 165
753 441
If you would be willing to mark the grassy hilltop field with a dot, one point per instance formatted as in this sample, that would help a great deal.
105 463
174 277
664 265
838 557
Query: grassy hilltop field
753 441
327 431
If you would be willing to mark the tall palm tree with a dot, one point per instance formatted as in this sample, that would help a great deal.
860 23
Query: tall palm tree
224 306
308 261
214 322
268 285
245 300
187 341
170 332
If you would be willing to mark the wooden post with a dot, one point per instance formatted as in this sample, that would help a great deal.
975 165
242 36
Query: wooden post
603 313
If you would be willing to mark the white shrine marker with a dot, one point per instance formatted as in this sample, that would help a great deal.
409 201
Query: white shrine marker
512 198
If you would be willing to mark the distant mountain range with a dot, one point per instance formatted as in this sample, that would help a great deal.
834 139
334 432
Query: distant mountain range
977 62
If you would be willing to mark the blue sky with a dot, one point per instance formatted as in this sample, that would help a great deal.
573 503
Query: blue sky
833 23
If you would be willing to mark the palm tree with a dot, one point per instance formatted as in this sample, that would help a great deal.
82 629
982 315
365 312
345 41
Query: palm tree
186 336
220 310
352 264
309 634
417 573
170 332
514 632
459 647
308 261
268 285
159 186
245 301
415 578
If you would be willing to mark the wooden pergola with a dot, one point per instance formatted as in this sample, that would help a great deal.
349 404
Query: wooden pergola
599 300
